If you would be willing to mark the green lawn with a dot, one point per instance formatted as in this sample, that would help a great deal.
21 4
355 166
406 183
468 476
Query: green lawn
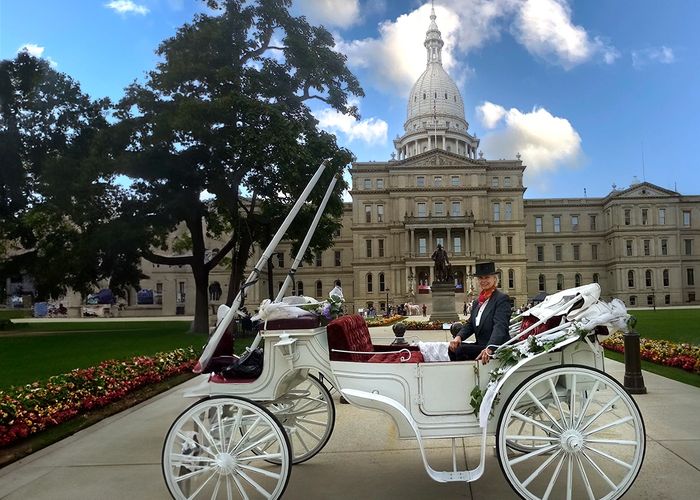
36 351
676 325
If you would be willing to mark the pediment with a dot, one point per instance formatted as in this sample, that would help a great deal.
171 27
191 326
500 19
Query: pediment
441 159
643 190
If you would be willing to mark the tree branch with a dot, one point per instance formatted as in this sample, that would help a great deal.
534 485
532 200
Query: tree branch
264 45
168 260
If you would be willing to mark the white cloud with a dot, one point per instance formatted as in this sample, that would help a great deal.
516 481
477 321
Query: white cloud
341 13
126 7
546 30
36 51
546 142
661 55
370 131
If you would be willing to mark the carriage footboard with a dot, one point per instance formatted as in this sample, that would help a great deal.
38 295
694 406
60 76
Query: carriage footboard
395 409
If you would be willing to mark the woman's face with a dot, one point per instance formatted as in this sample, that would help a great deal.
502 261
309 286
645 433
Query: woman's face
487 282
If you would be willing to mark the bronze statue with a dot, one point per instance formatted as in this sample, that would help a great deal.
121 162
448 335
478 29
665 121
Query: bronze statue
443 269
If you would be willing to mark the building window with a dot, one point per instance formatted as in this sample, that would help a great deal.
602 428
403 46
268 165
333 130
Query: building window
592 219
628 248
494 182
686 218
420 181
574 222
557 223
645 216
667 299
506 183
456 208
509 210
319 259
498 245
368 213
369 283
540 253
380 250
577 280
280 259
647 248
630 279
380 183
633 300
594 251
382 286
540 283
560 282
336 233
662 216
648 278
665 277
688 246
380 213
577 252
421 246
319 289
510 244
664 247
439 208
690 276
457 244
368 247
300 288
628 217
368 183
557 252
437 181
691 296
538 224
422 210
496 212
337 258
454 181
595 278
511 277
650 300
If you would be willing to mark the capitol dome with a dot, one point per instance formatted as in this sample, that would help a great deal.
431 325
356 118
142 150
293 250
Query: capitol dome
435 93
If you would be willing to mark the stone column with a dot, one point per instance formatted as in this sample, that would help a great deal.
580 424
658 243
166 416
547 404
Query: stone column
430 241
448 243
413 243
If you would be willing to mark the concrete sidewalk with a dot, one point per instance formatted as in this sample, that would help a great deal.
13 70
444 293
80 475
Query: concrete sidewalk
119 458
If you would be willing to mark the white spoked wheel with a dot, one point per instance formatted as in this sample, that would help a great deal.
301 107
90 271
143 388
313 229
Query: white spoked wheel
206 456
307 414
587 441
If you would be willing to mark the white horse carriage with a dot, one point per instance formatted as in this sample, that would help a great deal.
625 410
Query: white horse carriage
563 427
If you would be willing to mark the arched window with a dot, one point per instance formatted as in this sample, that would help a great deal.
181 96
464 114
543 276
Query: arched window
423 95
500 278
560 281
648 278
595 278
577 280
666 280
511 278
369 283
445 95
300 288
381 282
630 279
319 289
540 283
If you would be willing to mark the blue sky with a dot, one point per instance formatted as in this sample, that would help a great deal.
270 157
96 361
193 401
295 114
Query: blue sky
590 92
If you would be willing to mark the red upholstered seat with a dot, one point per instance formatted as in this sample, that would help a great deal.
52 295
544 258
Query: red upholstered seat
350 333
528 321
305 322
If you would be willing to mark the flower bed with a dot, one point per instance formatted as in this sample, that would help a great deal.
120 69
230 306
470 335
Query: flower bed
663 352
423 325
383 320
28 409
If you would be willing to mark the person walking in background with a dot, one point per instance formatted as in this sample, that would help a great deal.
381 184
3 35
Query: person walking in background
489 319
425 310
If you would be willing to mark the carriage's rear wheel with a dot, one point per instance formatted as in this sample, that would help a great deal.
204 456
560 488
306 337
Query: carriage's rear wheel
206 456
307 414
588 443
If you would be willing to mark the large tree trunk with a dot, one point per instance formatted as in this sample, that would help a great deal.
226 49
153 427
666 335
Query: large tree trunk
201 304
239 259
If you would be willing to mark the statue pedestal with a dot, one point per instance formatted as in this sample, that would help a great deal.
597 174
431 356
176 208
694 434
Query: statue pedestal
443 309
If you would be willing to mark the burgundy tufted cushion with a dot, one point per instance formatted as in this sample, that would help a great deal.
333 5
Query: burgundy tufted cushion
349 333
293 323
528 321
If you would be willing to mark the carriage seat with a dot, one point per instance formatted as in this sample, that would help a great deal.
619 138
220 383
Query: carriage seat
528 321
350 333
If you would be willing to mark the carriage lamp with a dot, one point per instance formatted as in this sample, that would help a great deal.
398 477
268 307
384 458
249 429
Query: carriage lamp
287 345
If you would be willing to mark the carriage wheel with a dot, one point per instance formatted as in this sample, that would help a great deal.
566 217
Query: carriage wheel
589 431
307 414
524 427
205 456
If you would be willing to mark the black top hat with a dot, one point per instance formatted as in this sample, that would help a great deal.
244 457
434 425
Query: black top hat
485 269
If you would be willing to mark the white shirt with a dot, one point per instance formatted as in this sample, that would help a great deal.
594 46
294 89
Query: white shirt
481 310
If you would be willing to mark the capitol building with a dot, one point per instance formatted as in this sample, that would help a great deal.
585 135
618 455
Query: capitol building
640 243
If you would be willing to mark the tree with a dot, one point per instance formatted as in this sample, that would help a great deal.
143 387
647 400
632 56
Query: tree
220 137
58 206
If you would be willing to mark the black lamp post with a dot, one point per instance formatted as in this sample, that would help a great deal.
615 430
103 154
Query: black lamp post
387 303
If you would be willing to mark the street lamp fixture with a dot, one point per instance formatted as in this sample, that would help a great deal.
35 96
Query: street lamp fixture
387 302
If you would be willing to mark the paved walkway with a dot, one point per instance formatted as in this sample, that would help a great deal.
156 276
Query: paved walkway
119 458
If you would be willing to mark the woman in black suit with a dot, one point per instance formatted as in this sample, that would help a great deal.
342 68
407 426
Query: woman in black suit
489 319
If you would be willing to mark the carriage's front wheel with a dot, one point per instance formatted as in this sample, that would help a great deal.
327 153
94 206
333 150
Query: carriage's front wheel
589 434
206 456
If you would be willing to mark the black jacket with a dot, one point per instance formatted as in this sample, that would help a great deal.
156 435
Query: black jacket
493 327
